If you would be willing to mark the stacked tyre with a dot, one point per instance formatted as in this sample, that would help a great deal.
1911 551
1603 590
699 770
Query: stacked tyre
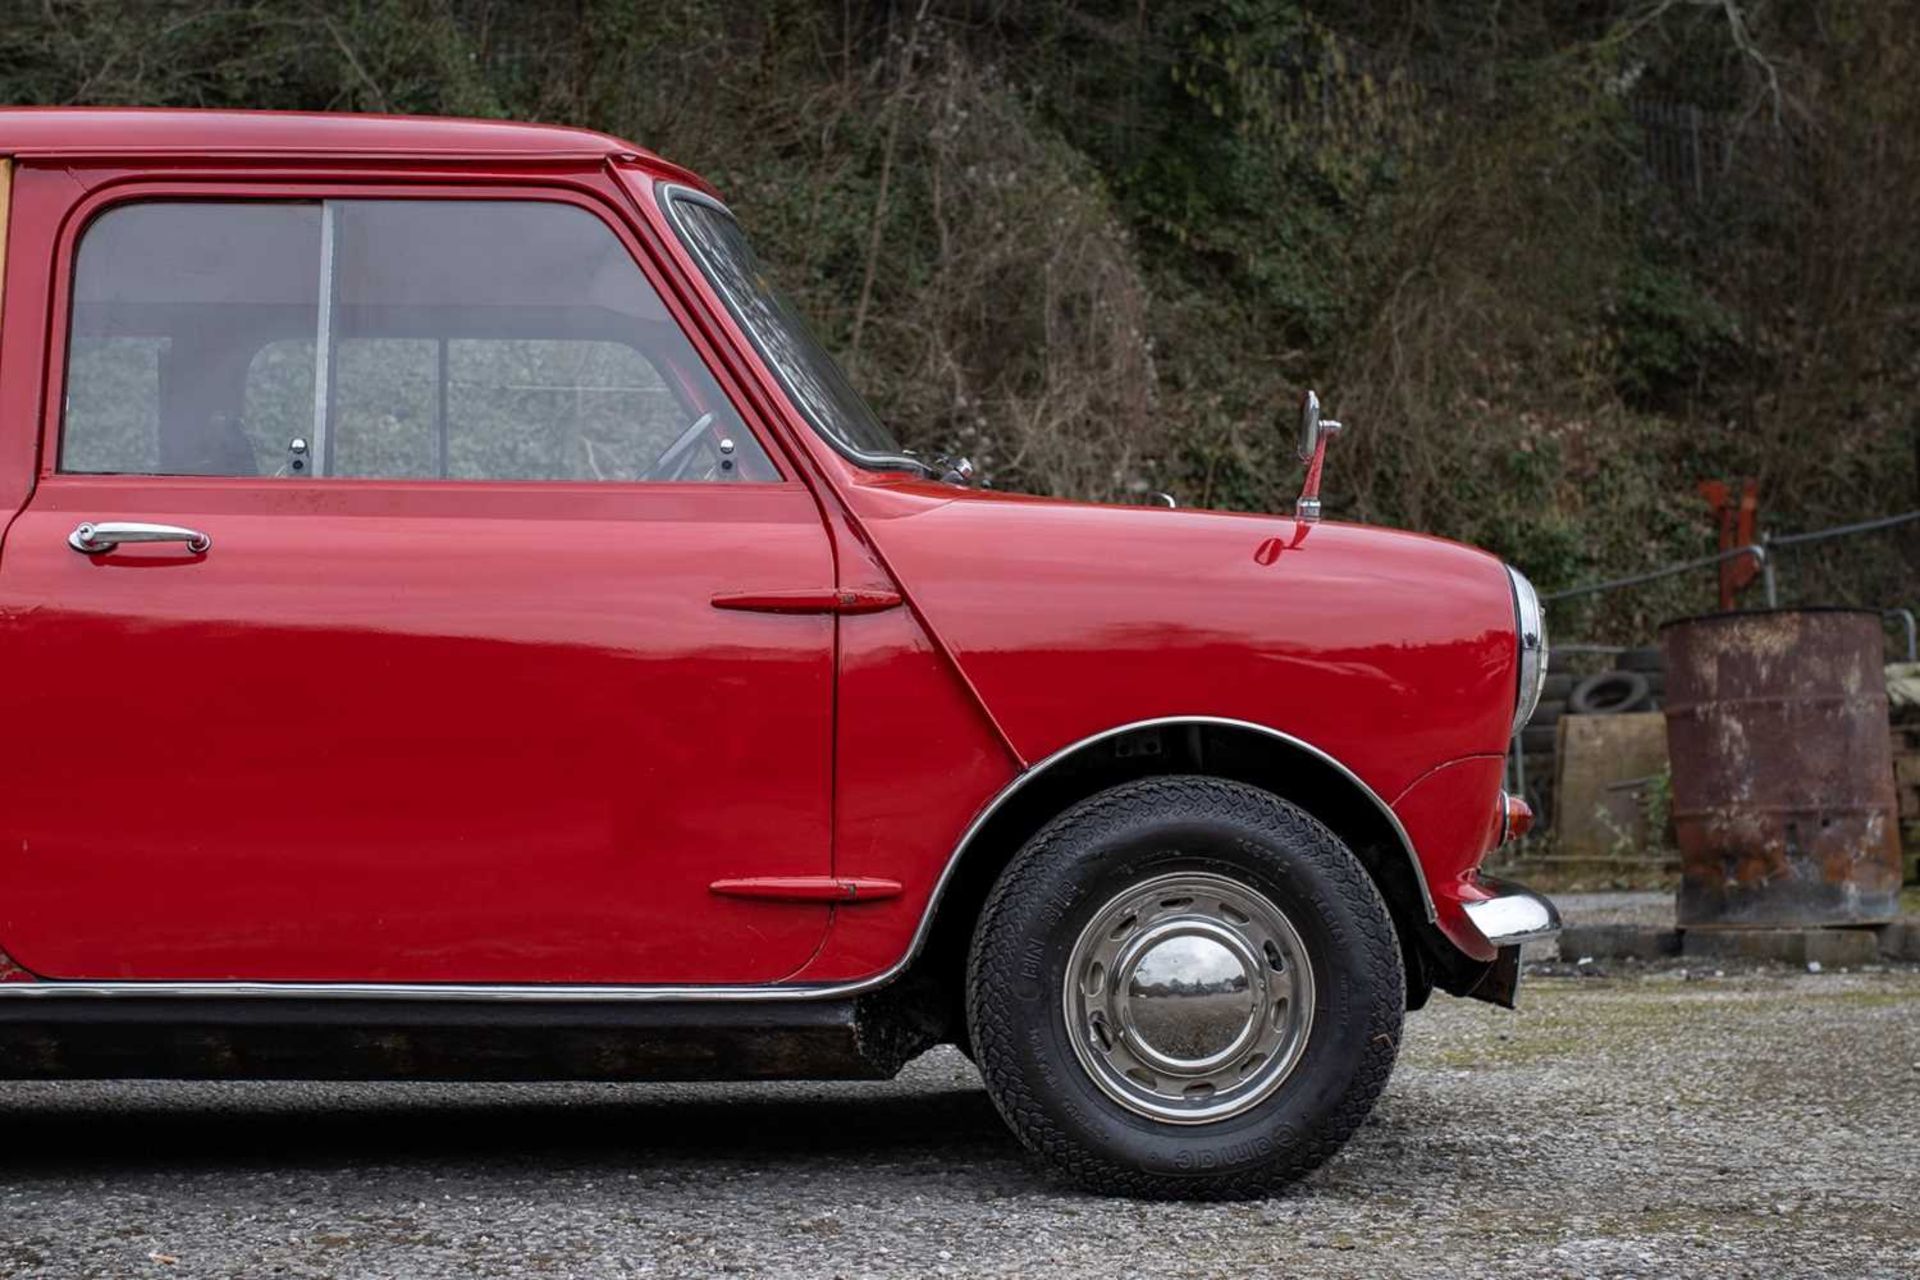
1637 681
1537 738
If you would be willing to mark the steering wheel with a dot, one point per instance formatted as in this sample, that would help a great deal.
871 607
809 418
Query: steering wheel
680 452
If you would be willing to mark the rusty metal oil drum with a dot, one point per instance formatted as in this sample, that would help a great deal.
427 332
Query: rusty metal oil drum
1783 796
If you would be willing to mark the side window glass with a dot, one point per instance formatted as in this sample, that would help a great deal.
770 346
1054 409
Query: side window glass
277 400
385 406
170 304
584 410
114 408
421 339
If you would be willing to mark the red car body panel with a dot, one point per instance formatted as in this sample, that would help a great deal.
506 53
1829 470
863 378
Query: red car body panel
916 761
450 731
1454 834
269 762
1390 652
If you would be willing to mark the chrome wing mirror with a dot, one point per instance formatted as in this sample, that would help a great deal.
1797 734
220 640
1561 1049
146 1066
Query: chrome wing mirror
1315 431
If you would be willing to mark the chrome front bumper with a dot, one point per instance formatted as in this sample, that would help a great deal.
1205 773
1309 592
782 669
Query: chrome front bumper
1515 914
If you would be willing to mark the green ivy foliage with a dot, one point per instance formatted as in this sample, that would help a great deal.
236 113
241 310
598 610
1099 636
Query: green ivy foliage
1100 245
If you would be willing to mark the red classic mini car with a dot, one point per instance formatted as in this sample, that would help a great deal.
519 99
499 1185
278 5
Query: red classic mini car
459 623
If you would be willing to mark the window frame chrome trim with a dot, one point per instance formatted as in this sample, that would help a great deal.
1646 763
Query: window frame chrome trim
320 438
56 988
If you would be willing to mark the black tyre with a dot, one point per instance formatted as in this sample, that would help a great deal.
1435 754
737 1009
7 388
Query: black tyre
1610 693
1184 988
1547 712
1541 738
1558 685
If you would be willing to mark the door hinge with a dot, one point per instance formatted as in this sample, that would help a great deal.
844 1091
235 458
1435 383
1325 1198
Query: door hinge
809 600
808 888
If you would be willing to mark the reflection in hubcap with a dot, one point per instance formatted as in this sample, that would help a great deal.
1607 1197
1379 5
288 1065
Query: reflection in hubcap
1189 997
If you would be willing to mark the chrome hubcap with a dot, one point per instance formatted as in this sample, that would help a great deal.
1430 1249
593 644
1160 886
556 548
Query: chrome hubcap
1188 998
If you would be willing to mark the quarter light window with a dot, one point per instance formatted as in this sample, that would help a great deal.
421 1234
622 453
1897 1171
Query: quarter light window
811 376
421 339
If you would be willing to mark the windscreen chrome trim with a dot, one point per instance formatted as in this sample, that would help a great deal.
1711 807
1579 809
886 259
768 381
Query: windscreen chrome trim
668 193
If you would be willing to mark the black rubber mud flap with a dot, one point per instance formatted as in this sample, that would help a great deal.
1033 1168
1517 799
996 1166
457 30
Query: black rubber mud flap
1501 980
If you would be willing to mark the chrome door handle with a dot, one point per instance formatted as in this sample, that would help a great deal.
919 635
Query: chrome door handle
92 538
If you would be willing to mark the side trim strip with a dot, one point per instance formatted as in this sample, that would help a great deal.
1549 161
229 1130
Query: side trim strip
54 989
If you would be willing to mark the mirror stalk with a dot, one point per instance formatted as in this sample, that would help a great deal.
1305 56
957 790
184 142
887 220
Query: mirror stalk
1307 506
1314 432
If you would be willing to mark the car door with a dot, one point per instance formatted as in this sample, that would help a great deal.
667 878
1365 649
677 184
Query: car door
420 679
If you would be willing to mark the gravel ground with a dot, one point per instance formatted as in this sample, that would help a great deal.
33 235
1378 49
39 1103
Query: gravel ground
1760 1123
1629 907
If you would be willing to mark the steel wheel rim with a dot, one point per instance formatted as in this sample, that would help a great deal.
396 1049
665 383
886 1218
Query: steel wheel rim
1188 998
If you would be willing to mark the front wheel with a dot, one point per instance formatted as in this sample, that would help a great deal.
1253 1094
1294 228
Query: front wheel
1184 987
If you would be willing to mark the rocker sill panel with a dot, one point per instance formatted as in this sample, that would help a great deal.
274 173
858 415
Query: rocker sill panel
58 989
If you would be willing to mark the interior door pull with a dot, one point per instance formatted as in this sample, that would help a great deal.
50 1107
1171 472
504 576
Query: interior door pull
92 538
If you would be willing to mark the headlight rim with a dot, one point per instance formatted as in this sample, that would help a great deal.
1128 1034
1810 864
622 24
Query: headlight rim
1531 649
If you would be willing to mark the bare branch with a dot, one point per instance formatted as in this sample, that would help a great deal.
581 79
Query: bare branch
1743 41
353 60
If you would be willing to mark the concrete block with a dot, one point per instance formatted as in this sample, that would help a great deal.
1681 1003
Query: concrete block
1830 948
1900 940
1618 942
1843 947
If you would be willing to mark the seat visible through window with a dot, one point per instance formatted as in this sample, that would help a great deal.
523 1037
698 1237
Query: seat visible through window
396 339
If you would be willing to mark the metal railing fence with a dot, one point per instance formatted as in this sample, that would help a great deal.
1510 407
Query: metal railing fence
1762 551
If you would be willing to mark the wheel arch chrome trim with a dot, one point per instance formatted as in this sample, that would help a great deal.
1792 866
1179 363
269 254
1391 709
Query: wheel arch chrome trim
615 993
1028 776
